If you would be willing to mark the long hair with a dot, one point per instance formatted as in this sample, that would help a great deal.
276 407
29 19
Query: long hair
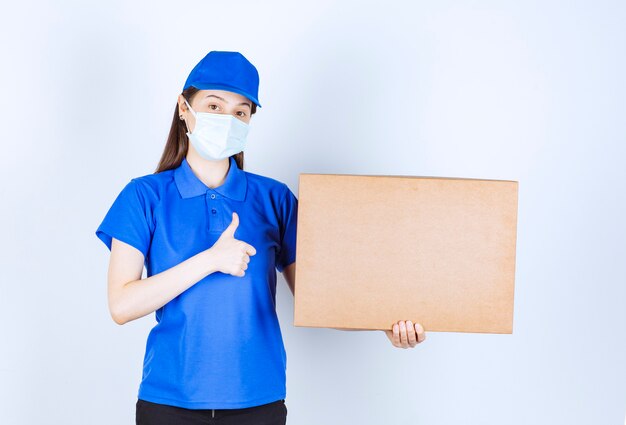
178 143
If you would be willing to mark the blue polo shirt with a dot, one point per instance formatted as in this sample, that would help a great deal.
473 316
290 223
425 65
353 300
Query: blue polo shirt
217 345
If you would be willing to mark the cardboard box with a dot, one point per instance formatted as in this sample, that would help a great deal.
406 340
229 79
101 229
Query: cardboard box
438 251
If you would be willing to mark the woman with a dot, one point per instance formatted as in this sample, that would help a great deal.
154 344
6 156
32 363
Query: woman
211 236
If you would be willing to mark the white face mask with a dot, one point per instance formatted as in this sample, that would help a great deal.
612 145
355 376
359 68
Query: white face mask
217 136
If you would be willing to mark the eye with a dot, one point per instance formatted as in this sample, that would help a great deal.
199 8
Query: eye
241 113
211 106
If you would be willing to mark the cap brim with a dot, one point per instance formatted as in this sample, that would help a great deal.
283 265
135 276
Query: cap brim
213 86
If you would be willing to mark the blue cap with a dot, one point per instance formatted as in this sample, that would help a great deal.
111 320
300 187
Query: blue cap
229 71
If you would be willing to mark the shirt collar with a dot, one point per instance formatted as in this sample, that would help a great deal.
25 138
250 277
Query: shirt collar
189 185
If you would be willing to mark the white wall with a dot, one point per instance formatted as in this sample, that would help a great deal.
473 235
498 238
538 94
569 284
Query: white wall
531 91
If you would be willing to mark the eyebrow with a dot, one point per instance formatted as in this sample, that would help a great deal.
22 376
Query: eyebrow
221 98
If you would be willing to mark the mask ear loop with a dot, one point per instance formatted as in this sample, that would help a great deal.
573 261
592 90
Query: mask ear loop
189 106
192 113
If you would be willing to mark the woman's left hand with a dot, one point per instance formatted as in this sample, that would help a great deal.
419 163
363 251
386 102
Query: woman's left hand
404 334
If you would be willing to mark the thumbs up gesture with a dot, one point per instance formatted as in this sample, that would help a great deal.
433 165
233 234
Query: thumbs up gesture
231 255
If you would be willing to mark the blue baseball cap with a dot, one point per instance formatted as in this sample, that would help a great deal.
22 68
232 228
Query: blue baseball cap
230 71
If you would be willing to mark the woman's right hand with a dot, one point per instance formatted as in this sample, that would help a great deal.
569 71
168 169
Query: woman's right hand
231 255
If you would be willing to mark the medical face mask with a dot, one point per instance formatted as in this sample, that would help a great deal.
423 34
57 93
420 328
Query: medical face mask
217 136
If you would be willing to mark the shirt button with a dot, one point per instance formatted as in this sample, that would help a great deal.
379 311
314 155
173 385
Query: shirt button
213 211
212 195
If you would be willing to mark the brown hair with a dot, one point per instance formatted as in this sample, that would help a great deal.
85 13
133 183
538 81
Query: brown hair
178 143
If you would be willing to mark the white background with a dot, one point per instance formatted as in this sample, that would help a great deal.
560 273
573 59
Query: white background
530 91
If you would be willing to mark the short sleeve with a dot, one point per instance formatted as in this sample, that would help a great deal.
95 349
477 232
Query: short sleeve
128 219
288 220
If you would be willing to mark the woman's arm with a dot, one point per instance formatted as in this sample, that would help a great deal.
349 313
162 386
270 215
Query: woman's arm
131 297
289 273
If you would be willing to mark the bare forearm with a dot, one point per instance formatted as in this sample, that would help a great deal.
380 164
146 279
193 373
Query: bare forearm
141 297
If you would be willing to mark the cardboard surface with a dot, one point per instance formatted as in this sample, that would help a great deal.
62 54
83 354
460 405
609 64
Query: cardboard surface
373 250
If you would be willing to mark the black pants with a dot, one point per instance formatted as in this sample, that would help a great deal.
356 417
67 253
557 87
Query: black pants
149 413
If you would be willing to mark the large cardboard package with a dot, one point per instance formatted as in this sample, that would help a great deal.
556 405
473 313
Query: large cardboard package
372 250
